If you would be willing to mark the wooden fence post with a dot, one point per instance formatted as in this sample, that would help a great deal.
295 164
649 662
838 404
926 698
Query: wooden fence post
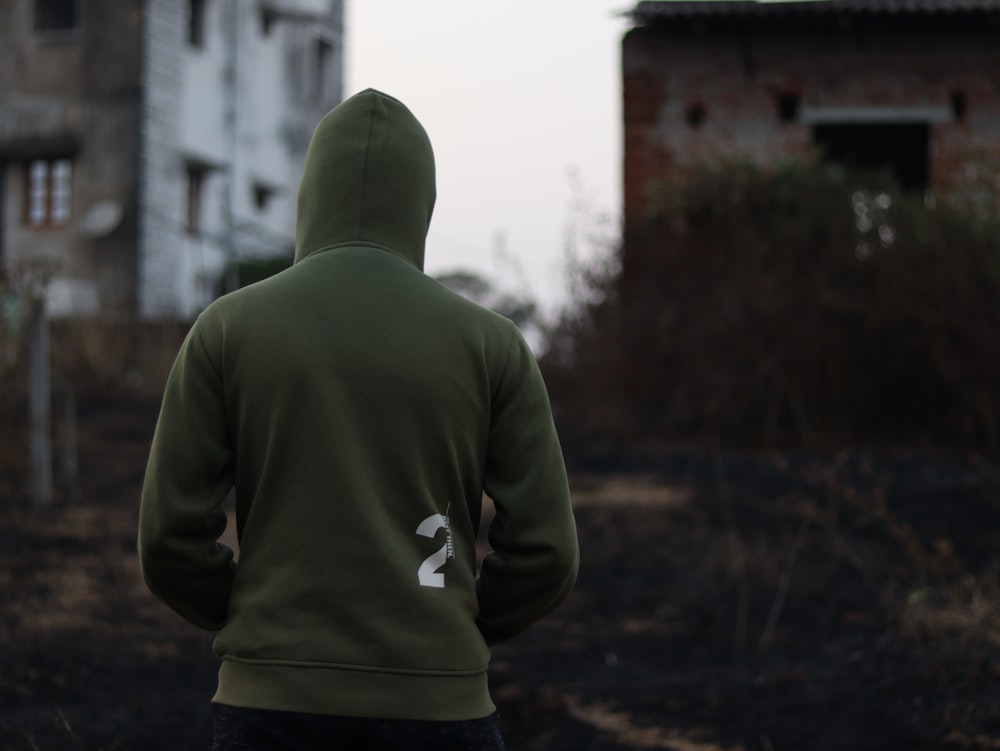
68 462
40 405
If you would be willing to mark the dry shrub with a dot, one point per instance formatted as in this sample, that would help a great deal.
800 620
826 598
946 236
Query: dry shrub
805 306
86 353
92 361
102 354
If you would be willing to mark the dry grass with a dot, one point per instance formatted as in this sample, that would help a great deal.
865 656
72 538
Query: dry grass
966 611
619 725
637 490
799 563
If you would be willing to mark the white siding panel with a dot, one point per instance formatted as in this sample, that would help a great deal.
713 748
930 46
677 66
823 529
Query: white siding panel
161 178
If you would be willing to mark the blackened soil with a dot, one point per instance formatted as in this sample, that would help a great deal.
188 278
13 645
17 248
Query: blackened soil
738 602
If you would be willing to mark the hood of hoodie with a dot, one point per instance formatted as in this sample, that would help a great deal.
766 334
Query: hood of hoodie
368 180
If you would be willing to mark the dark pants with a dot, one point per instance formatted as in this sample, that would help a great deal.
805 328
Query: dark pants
241 729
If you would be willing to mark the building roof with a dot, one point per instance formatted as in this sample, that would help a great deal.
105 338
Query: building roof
650 10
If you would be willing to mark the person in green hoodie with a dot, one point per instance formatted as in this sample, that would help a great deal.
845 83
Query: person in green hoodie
360 410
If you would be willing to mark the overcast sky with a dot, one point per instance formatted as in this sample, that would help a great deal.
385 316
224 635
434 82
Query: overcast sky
516 96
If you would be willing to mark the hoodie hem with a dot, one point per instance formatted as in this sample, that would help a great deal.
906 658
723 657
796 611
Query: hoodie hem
335 690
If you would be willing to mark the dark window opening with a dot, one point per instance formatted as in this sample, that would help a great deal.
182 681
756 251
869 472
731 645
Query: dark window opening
958 105
902 148
696 115
55 15
195 186
262 195
267 21
324 55
788 107
196 23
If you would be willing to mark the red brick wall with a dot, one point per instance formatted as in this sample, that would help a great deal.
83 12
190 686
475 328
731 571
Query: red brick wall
735 76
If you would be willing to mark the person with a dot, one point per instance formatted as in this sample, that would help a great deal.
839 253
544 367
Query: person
360 409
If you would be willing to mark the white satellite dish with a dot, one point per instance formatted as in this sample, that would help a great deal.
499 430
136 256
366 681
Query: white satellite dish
101 219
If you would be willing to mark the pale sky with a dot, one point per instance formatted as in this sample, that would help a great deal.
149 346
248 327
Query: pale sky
516 97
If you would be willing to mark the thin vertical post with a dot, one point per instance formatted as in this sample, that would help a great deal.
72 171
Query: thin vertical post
70 465
40 405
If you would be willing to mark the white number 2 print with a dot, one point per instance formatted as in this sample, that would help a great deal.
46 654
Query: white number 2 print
427 573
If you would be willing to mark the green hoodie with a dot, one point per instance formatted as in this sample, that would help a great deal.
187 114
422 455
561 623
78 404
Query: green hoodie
360 409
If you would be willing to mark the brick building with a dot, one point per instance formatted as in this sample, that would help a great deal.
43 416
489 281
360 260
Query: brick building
913 85
146 144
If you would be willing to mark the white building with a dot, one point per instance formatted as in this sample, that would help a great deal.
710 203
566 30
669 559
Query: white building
146 145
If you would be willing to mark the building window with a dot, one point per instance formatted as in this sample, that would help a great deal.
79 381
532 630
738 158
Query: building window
55 15
195 185
901 148
324 60
788 107
48 193
695 115
267 20
958 105
262 195
196 23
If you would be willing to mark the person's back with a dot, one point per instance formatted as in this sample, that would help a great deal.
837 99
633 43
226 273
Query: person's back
360 409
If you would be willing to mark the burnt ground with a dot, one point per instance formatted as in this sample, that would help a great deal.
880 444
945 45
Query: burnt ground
765 602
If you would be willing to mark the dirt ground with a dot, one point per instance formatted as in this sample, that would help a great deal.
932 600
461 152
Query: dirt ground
755 602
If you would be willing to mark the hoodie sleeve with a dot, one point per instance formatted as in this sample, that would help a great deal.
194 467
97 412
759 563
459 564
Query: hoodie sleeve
189 474
534 559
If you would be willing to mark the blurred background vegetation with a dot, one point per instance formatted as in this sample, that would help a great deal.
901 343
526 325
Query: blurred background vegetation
808 306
